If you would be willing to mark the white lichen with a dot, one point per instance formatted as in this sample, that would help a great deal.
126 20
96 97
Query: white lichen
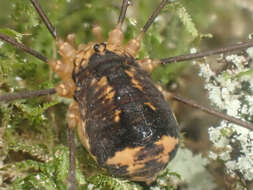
231 91
191 168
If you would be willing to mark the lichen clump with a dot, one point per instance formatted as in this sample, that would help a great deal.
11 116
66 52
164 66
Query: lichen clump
231 91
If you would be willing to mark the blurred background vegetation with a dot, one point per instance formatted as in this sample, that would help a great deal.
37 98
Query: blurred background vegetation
33 131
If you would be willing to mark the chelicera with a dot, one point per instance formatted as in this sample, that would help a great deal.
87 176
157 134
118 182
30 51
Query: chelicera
84 79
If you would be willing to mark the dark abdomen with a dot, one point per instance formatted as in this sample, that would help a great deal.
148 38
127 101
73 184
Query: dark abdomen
130 128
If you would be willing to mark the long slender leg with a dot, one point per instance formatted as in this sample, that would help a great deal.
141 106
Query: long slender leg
174 59
123 10
64 68
187 57
73 118
44 17
166 94
72 161
149 64
134 45
116 36
210 111
23 47
27 94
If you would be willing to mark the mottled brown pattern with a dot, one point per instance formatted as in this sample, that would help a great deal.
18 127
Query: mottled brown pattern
136 159
150 105
127 124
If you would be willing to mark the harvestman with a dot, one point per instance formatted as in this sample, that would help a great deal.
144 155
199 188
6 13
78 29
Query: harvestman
66 88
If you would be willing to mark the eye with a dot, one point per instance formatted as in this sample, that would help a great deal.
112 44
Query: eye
96 47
